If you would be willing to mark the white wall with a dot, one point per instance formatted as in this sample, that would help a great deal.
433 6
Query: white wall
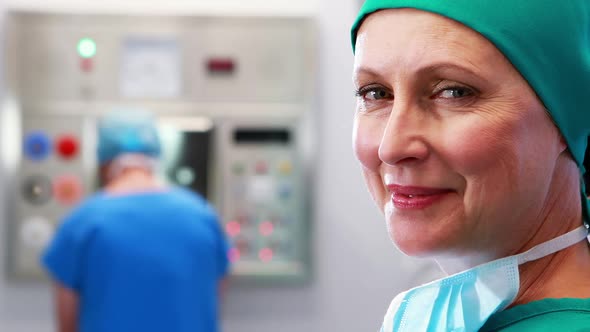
222 7
356 269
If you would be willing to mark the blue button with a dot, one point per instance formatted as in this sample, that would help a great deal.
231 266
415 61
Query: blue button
285 191
37 146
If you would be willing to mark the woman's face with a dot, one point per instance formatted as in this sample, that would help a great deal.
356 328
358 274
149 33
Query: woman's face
455 147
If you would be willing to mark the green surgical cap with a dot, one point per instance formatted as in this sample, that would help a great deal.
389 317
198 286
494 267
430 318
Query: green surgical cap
548 41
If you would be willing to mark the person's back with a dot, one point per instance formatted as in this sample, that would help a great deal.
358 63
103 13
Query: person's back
137 256
152 262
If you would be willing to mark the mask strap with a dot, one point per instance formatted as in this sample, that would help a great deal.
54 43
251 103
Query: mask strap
554 245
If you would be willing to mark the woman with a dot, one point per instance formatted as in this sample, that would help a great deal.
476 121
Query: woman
471 128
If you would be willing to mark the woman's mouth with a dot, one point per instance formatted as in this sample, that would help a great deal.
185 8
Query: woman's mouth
415 198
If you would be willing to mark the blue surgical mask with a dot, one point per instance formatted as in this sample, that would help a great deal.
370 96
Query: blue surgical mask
463 302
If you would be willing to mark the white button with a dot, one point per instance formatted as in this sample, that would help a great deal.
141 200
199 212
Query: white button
36 232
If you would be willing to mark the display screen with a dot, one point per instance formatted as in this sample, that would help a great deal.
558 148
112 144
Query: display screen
186 157
261 135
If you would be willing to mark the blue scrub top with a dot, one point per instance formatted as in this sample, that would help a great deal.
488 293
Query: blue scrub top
142 262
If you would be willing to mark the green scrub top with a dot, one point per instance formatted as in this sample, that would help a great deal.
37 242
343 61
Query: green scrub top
566 315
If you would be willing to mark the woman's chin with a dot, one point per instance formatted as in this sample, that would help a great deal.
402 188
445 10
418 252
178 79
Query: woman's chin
413 249
425 233
423 242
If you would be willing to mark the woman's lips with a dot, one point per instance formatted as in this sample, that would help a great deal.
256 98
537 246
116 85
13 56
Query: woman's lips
415 198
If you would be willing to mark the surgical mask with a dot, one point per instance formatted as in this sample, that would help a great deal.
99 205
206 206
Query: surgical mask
464 301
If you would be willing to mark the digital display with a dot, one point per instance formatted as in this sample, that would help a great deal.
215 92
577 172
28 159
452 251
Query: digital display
281 136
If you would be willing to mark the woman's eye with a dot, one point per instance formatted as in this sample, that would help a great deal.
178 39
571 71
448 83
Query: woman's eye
374 93
455 92
379 94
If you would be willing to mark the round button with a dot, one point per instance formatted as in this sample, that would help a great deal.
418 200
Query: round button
67 189
185 176
285 167
234 255
266 228
261 167
37 146
36 232
265 254
285 191
238 168
233 228
67 146
36 189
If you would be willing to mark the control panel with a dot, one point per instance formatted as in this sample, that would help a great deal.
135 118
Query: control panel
233 99
53 176
263 203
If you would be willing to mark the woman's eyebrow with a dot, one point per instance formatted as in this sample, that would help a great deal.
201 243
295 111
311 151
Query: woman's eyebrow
446 67
365 72
368 73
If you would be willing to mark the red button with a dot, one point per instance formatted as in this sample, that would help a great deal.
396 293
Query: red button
266 228
86 65
234 255
233 228
67 189
261 167
265 255
67 146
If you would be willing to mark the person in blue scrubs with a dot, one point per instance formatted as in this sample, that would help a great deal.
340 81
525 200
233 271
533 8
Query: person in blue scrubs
137 255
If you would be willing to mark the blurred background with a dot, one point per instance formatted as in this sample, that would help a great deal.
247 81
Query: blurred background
254 101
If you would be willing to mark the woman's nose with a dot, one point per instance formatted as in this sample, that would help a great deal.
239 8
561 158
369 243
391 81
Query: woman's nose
404 139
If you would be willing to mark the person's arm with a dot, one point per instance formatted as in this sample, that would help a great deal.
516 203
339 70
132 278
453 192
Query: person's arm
63 259
222 257
66 304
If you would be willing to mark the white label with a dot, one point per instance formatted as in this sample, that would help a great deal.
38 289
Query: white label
150 68
261 188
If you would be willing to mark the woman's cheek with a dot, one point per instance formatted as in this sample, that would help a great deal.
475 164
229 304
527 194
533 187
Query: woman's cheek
476 148
366 139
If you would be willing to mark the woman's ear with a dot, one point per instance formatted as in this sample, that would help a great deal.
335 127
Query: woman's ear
103 172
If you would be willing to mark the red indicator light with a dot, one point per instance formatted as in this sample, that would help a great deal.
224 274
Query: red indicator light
265 254
234 255
67 146
266 228
221 66
86 64
233 228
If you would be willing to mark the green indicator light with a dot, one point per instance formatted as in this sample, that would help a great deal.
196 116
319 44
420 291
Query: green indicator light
86 48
